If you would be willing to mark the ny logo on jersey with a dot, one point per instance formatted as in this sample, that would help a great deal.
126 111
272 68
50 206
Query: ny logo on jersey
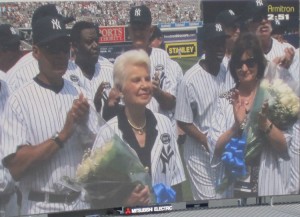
218 27
55 24
231 12
259 3
13 31
137 12
165 157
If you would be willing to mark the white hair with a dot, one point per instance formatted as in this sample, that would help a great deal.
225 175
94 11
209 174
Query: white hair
131 57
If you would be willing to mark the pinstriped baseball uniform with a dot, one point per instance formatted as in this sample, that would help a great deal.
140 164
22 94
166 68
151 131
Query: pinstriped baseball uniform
6 181
277 49
24 70
3 91
196 96
160 64
32 115
295 69
166 165
27 68
294 152
103 73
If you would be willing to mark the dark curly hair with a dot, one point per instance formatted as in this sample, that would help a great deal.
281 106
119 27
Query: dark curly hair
247 42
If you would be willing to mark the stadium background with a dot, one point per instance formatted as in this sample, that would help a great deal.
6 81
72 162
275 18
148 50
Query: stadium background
180 22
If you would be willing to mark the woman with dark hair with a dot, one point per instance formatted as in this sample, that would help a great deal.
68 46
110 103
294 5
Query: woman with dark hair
265 174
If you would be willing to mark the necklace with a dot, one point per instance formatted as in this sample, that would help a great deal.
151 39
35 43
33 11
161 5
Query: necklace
140 130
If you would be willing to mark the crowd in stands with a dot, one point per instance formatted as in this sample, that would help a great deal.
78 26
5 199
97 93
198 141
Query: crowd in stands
104 13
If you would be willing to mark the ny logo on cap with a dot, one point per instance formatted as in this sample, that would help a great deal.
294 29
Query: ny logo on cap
218 27
259 3
137 12
55 24
277 22
231 12
12 30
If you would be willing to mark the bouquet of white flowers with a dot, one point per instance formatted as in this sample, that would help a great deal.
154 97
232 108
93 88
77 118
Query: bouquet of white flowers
283 112
110 172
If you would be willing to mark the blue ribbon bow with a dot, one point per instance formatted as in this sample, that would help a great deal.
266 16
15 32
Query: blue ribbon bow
233 157
164 194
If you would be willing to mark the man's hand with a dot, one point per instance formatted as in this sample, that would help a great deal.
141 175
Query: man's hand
286 60
113 97
98 96
155 84
77 114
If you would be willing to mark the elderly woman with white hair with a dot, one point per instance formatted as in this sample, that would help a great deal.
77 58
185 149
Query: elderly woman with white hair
149 134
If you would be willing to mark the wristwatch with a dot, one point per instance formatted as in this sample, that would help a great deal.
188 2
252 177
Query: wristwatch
57 140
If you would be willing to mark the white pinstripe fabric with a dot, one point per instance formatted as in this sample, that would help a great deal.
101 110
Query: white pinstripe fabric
197 94
27 68
174 173
32 115
160 62
103 73
294 152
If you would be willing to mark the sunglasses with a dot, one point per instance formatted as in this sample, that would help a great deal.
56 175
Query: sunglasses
56 48
250 63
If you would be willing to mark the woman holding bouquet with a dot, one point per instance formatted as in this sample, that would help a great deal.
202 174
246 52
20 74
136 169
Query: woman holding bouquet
149 135
261 170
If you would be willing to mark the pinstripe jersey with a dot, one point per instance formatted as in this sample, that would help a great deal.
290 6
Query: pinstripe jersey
32 115
170 172
277 49
160 63
27 68
295 70
273 170
103 73
197 94
24 70
294 152
3 91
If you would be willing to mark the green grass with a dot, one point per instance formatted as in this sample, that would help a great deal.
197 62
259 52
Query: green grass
186 63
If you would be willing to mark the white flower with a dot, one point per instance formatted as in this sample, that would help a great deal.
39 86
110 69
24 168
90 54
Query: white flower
265 84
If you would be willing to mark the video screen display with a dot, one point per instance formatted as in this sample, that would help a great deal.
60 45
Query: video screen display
131 106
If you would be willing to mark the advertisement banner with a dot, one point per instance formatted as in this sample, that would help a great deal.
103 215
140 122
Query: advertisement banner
179 36
180 50
112 34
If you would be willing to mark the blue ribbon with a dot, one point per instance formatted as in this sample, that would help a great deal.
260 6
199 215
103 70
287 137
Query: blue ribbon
233 157
164 194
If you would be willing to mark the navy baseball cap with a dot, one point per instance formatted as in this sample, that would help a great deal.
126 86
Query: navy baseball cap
8 35
157 33
255 9
48 29
212 31
49 10
227 18
140 14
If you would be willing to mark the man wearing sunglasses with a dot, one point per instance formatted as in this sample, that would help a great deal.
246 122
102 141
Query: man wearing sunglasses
27 68
256 21
45 123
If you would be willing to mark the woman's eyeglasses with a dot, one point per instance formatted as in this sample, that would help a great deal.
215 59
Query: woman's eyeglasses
250 63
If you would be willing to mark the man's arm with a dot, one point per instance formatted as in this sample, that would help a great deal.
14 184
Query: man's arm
191 130
27 156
